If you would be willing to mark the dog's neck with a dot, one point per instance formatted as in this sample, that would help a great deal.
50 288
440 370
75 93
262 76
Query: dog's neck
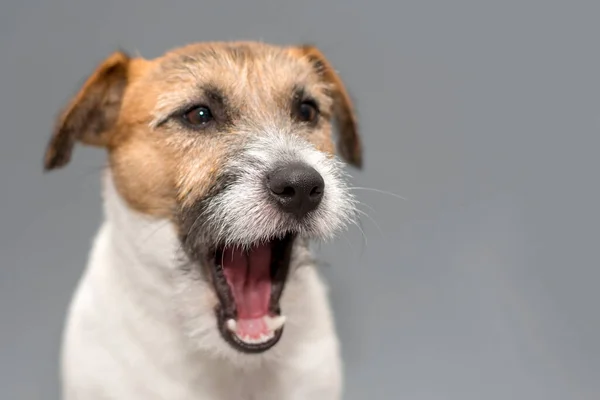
140 253
147 239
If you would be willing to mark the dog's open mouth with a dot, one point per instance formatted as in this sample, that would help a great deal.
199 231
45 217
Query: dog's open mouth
249 283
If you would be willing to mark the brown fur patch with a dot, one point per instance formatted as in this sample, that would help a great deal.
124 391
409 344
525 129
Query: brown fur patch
349 143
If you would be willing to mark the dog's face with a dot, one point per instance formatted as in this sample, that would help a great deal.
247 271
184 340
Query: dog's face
233 143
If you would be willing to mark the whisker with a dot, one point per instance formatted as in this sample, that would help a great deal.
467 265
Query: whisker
153 232
347 241
372 220
193 227
378 191
359 226
366 205
365 241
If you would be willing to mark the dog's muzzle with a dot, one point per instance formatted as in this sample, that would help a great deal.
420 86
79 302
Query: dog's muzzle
275 191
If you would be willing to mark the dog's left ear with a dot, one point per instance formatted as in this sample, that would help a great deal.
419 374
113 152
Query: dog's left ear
92 113
349 143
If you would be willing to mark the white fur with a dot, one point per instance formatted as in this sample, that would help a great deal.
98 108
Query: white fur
243 214
141 327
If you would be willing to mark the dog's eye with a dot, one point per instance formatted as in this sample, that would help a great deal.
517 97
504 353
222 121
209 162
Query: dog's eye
198 116
308 112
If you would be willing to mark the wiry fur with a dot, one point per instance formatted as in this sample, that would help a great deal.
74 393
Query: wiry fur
143 323
142 327
243 213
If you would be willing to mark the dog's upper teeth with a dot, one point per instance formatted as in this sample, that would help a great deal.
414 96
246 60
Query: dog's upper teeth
274 323
232 325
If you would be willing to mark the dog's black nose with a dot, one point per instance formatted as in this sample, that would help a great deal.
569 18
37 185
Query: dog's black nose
296 187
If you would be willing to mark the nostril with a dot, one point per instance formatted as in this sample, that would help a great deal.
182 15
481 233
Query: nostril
317 191
281 187
288 191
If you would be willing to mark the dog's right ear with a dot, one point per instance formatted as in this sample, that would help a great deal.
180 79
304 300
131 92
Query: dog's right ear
92 113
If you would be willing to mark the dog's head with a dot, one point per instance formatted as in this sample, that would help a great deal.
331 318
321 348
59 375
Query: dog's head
233 143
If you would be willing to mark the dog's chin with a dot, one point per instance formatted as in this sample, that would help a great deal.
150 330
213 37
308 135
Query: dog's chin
249 281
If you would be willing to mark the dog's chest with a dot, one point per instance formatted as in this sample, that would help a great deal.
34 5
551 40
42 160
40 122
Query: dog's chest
153 338
212 380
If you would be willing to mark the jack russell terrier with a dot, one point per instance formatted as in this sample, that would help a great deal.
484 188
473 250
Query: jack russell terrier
200 284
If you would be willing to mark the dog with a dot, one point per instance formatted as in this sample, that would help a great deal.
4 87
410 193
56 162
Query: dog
223 167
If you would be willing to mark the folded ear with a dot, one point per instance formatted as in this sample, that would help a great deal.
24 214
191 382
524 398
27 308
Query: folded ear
349 143
92 113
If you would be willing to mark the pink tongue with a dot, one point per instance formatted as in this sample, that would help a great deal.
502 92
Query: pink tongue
248 275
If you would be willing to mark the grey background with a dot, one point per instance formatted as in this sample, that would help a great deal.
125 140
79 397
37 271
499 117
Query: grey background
484 115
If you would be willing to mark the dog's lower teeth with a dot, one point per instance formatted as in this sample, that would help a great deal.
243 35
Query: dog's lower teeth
274 323
260 340
232 325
